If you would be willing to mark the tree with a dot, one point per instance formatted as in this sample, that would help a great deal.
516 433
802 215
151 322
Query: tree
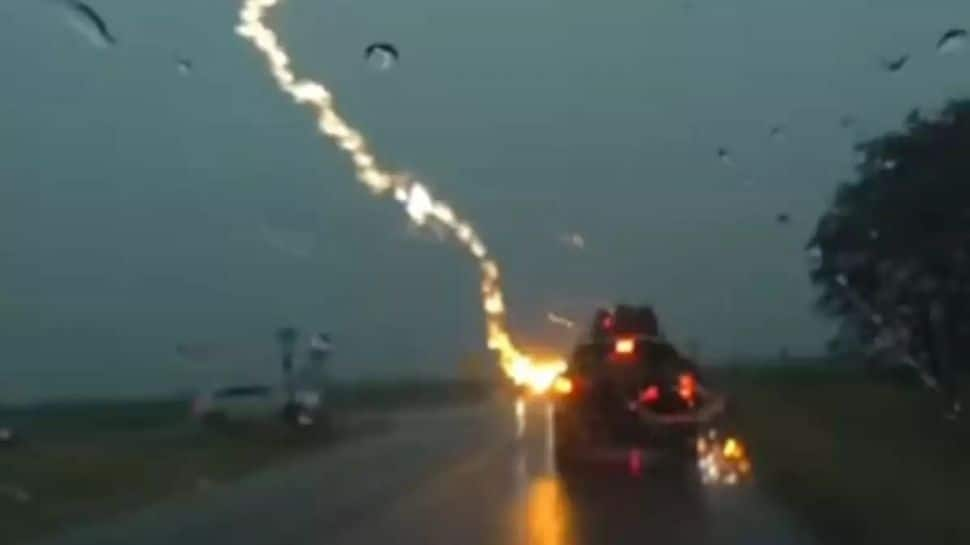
892 253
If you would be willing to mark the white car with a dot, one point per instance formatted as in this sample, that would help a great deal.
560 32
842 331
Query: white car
254 402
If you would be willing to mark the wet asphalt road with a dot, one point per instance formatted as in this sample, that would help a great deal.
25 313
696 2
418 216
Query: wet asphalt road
474 476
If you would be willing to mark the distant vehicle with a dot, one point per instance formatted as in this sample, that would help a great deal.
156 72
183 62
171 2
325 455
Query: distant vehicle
255 402
627 390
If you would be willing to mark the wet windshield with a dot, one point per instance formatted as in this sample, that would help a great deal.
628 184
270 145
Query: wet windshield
282 269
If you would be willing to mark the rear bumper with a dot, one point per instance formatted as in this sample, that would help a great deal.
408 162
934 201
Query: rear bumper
636 429
703 415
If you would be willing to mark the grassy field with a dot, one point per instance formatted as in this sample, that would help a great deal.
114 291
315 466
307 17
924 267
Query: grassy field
866 461
389 395
78 462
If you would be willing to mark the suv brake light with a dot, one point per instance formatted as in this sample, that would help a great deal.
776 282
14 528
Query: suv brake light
687 387
650 394
625 346
607 322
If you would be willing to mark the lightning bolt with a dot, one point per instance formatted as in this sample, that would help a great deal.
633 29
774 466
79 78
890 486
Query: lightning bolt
416 199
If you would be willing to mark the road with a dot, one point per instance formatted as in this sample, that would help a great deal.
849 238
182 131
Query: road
475 476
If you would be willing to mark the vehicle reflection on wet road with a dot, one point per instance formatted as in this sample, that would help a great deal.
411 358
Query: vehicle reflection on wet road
483 476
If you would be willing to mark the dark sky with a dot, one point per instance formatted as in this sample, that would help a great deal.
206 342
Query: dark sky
142 207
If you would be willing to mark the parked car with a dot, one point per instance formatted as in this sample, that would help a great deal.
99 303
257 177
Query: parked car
255 402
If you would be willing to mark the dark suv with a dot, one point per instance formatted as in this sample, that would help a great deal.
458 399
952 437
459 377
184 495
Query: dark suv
630 391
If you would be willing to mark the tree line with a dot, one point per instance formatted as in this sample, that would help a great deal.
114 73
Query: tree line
891 254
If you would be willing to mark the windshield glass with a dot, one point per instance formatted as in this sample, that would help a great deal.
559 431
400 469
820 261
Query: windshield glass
402 224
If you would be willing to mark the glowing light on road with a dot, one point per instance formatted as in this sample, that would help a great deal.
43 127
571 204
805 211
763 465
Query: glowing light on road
548 515
722 462
732 449
415 197
550 438
537 376
744 467
562 385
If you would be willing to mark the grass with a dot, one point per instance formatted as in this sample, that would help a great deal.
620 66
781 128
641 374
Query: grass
406 393
62 419
81 462
75 477
867 461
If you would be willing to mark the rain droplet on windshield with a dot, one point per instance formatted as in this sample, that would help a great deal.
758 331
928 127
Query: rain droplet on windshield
842 280
89 23
846 121
873 234
725 156
889 164
381 55
952 41
777 133
290 232
184 66
783 218
575 240
896 64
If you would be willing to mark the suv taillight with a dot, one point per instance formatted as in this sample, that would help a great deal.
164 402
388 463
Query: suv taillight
650 394
687 387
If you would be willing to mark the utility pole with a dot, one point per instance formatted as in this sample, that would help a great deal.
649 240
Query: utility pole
286 337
